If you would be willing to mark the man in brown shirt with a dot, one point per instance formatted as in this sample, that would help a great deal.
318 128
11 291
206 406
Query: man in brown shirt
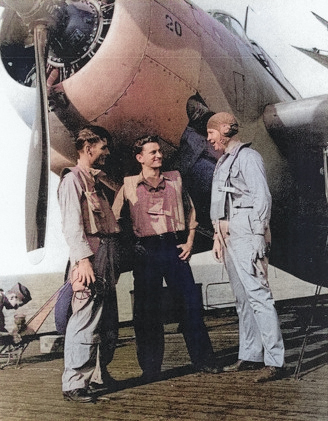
160 218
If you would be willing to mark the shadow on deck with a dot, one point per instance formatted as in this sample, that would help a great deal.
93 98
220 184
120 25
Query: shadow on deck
33 391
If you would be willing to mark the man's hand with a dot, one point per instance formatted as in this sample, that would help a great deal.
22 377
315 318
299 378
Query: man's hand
185 250
82 275
259 247
217 250
220 234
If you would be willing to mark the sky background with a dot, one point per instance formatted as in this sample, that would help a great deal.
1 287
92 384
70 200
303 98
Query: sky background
276 25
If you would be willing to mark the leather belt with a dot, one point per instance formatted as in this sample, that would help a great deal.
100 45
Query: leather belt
167 236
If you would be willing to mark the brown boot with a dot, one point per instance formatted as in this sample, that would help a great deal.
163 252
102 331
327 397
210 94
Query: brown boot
268 373
242 365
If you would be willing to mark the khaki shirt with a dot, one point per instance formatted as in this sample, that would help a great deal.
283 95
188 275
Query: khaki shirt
86 212
157 210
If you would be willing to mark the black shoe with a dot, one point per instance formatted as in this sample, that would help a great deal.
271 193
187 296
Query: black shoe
109 385
242 365
78 395
211 369
150 376
99 388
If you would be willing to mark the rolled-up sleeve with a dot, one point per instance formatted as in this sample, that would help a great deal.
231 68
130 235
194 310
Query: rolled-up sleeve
190 211
118 203
69 197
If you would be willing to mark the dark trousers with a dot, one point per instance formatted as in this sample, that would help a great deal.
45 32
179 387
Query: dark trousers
157 258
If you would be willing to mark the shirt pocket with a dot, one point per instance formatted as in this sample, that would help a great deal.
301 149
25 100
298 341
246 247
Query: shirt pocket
156 205
234 173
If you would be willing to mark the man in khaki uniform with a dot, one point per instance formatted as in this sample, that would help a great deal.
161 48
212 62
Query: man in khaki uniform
90 230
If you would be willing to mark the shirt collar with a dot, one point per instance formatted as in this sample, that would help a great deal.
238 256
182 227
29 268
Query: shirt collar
141 180
237 147
89 171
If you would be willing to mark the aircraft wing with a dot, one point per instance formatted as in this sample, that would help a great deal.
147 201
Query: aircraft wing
322 20
320 56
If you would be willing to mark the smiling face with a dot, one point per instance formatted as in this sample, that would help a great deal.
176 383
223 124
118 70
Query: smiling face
218 137
222 129
151 156
98 153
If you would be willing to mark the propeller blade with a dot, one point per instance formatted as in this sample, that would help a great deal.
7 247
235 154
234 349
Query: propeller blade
38 170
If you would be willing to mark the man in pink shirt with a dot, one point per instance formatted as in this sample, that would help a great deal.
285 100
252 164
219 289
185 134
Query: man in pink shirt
164 221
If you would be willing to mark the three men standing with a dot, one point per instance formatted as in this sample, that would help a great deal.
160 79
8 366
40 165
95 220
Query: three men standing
164 222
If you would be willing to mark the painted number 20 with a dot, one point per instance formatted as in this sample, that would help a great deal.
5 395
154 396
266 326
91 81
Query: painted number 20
173 26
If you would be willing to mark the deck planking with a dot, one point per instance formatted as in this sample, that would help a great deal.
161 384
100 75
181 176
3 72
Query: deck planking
33 391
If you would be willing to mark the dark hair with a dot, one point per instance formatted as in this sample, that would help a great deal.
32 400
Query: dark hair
141 141
91 134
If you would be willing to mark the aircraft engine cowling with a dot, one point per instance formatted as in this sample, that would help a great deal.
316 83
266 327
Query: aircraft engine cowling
305 120
121 53
77 29
300 130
